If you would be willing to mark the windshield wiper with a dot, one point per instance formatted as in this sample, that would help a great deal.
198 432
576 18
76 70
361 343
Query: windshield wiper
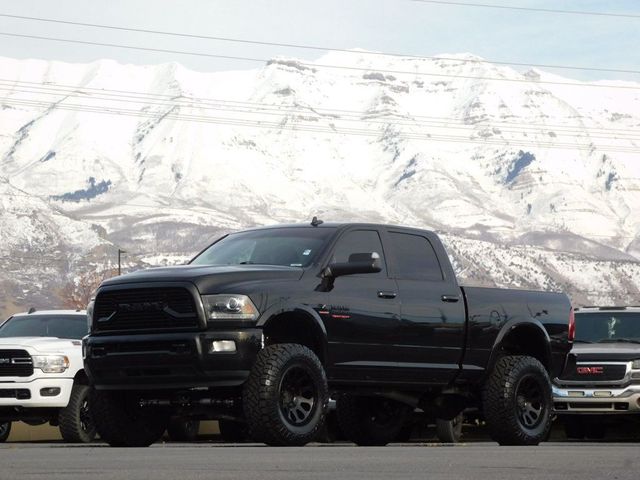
621 340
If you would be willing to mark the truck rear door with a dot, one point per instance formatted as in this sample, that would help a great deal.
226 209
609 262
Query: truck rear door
432 308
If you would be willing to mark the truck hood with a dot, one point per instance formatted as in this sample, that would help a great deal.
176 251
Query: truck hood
40 344
211 279
600 352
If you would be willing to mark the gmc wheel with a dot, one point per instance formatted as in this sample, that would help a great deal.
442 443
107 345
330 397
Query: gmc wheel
285 397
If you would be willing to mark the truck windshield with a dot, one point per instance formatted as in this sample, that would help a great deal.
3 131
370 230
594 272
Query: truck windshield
60 326
608 327
290 247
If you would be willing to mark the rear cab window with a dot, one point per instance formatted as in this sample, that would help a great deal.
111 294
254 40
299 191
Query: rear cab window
415 258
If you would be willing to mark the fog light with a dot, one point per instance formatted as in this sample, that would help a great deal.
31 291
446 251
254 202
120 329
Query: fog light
601 394
49 391
219 346
576 394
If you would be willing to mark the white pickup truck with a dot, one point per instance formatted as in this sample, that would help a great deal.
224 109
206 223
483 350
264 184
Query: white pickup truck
42 376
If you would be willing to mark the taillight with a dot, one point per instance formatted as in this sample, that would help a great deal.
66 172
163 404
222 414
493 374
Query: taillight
572 325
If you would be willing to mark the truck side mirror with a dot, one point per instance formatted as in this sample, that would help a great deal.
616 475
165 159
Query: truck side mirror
358 263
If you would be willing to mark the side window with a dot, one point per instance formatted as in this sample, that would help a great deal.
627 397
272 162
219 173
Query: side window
415 257
359 241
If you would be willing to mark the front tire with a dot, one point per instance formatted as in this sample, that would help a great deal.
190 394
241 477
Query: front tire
517 401
371 421
122 422
285 397
75 420
5 431
450 431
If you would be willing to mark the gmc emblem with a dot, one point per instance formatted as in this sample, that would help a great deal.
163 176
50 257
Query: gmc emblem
590 370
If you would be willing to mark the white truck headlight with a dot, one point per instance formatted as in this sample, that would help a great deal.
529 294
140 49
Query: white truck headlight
636 364
51 363
229 307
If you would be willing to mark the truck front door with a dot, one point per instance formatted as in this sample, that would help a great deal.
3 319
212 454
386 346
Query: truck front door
363 315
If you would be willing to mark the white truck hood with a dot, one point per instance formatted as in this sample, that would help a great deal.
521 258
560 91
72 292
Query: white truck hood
41 344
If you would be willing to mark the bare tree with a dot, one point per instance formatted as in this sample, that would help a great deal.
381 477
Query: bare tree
77 293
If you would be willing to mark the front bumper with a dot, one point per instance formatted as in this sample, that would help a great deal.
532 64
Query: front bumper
14 394
578 400
170 360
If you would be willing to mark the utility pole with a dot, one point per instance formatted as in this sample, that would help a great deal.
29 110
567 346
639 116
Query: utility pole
120 252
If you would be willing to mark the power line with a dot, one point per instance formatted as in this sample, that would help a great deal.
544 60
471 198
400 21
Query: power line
313 47
319 65
269 110
322 129
530 9
258 107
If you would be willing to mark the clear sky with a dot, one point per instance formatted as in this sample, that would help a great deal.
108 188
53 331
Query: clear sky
403 26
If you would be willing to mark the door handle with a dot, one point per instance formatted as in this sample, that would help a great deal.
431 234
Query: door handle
382 294
450 298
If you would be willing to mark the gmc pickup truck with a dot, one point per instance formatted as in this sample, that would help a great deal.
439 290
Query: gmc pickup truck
263 325
601 382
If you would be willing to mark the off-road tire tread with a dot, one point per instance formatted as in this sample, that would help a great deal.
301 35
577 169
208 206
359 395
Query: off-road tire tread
260 393
499 413
69 417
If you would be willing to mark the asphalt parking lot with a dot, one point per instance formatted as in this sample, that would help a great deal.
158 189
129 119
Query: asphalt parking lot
484 460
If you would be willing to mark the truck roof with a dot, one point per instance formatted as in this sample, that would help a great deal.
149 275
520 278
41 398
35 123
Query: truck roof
51 312
612 308
333 225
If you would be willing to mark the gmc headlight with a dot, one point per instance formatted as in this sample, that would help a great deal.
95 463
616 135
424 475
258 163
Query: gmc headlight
636 364
229 307
50 363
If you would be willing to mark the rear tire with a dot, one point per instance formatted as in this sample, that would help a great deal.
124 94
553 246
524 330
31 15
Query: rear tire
5 431
233 432
285 397
75 420
371 421
183 429
121 422
450 431
517 401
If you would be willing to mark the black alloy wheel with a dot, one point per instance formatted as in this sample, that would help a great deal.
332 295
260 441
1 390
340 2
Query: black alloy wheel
530 401
298 396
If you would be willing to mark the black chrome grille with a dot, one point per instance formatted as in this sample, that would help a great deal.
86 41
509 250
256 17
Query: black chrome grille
145 309
15 363
596 372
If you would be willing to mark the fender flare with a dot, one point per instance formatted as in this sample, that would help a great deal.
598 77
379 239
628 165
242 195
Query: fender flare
297 309
516 324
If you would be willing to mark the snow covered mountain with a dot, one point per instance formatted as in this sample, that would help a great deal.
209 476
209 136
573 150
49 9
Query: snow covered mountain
533 179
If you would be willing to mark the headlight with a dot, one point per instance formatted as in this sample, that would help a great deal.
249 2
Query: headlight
636 364
90 313
50 363
229 307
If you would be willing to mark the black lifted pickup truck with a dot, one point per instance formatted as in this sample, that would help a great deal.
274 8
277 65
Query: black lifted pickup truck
261 327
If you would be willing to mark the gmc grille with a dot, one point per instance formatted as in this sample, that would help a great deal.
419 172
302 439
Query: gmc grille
145 309
15 363
597 372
